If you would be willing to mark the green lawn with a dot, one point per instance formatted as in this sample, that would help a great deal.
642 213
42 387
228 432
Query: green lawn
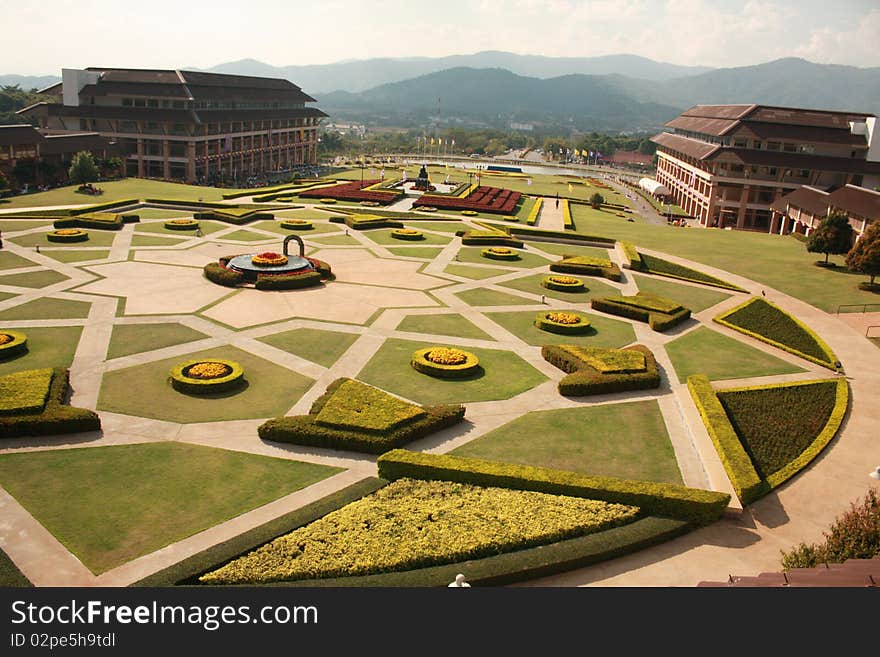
10 575
595 287
606 332
483 297
155 213
440 226
207 227
9 260
336 240
321 347
446 324
526 260
476 273
153 240
109 505
246 236
614 440
704 351
305 213
695 298
81 255
48 346
504 375
318 228
47 308
570 249
136 338
96 238
383 236
429 252
144 390
12 225
33 279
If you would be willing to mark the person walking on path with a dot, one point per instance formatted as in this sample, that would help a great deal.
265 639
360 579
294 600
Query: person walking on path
557 199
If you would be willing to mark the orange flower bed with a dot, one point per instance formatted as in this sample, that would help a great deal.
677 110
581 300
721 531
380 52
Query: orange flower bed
564 318
565 280
68 231
4 338
269 259
208 370
446 356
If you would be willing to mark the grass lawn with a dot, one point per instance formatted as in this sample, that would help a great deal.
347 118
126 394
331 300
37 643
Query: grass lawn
207 227
246 236
48 346
47 308
153 240
12 225
10 575
876 341
439 226
33 279
117 190
606 333
484 297
526 260
446 324
429 252
383 236
704 351
80 255
504 375
336 240
595 287
569 249
476 273
695 298
136 338
144 390
305 213
9 260
109 505
613 440
96 238
318 228
156 213
321 347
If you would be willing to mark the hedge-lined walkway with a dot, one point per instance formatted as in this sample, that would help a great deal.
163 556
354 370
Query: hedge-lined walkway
135 285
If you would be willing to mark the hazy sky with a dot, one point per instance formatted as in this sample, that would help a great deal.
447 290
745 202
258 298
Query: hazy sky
39 38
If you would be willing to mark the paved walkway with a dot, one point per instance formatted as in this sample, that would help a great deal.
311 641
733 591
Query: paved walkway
550 216
384 287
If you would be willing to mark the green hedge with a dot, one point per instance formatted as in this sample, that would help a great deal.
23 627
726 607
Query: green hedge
98 221
364 223
56 418
79 236
577 265
745 480
185 204
486 238
287 281
400 234
669 500
98 207
217 273
767 322
661 267
634 260
297 224
585 380
130 218
532 217
658 321
528 233
562 287
183 383
236 217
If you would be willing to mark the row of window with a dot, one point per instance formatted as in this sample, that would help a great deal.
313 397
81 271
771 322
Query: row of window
756 144
164 103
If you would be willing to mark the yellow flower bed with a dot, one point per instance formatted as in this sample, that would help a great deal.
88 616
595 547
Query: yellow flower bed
269 259
564 318
413 524
68 231
446 356
4 338
565 280
208 370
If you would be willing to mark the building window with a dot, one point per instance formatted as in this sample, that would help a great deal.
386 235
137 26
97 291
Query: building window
773 145
127 102
152 103
740 143
756 144
140 102
804 173
789 148
179 104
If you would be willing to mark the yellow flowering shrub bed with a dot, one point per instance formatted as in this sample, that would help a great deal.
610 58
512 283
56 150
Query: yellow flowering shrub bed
269 259
12 343
208 370
566 323
24 392
446 356
500 253
609 361
67 235
414 524
202 377
358 406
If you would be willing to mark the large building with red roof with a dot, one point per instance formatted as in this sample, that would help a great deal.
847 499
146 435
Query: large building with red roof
727 164
186 125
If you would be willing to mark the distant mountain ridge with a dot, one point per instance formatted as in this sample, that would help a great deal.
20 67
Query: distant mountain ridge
28 82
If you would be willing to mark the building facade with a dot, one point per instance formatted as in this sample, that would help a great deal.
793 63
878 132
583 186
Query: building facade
727 164
185 125
804 209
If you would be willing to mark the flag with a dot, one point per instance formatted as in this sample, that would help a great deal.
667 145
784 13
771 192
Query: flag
598 154
441 141
591 153
570 188
432 141
529 181
577 153
453 142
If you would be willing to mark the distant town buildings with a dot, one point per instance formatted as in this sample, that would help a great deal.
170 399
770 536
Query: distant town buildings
727 165
186 125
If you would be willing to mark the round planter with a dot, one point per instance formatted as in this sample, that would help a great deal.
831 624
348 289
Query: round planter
67 235
370 204
544 322
182 224
499 253
563 283
268 259
328 201
297 224
407 234
427 208
13 343
183 382
469 366
469 213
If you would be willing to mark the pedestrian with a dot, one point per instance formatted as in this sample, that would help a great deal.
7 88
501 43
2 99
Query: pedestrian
557 199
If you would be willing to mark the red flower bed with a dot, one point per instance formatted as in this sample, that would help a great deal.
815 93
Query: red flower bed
352 191
483 199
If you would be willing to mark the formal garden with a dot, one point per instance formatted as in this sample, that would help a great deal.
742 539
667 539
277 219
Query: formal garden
347 382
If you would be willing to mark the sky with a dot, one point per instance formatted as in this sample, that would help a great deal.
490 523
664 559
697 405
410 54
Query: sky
41 38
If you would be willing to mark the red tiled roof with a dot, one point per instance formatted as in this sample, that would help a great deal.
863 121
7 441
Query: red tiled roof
719 111
690 147
858 201
813 200
19 134
705 125
851 573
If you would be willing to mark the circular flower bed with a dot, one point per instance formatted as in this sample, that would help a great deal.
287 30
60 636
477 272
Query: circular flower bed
500 253
205 377
297 224
427 208
407 234
469 213
445 362
269 259
181 224
328 200
68 235
12 343
564 322
563 283
371 204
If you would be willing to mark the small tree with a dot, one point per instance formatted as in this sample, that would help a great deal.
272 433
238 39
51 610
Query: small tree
834 236
865 255
596 200
83 168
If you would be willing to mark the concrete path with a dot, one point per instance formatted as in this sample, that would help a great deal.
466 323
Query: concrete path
550 216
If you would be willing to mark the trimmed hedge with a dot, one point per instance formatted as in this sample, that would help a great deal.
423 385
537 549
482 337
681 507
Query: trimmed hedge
236 216
543 322
769 323
532 218
583 379
626 307
186 204
356 406
587 267
193 386
746 482
567 221
571 237
67 235
655 265
489 238
307 430
365 222
130 218
217 273
15 347
56 417
98 207
420 363
551 284
634 260
407 234
96 220
288 281
24 392
670 500
181 224
499 253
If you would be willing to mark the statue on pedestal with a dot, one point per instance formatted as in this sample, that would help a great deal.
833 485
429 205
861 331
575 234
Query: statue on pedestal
423 184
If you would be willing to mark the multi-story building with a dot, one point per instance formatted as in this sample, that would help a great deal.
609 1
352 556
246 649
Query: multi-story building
187 125
726 164
804 209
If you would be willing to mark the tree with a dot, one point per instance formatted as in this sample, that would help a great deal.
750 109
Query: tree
834 236
83 168
3 183
596 200
865 255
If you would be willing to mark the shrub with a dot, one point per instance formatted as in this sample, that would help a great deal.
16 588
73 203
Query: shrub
584 379
865 255
567 221
233 215
407 234
529 233
853 535
765 321
367 221
634 260
660 313
833 236
96 220
288 281
500 253
360 407
662 267
490 238
668 500
587 266
563 323
445 362
562 283
297 224
12 343
24 392
225 375
55 418
130 218
217 273
181 224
